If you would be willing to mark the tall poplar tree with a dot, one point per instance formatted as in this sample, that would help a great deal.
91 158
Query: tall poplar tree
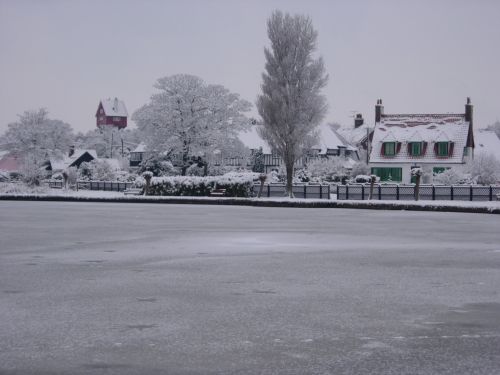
291 104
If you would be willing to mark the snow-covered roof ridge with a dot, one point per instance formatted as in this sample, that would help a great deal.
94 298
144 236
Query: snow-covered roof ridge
114 107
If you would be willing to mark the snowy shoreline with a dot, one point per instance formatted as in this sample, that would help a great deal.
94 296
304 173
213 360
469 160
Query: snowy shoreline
118 197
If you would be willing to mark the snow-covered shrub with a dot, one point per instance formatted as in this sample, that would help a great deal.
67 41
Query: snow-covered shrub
21 188
331 169
195 170
362 178
236 185
160 165
124 176
452 176
360 168
85 171
32 173
71 175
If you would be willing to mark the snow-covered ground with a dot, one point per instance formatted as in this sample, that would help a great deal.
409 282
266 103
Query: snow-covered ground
122 289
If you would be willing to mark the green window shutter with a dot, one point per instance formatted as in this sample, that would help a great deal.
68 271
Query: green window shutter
389 148
416 148
442 148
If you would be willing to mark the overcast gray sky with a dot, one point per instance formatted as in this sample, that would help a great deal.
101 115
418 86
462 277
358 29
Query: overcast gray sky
418 56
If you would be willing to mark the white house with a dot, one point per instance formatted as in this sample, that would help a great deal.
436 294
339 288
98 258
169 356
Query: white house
433 142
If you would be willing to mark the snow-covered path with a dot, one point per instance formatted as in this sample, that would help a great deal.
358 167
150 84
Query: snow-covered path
116 288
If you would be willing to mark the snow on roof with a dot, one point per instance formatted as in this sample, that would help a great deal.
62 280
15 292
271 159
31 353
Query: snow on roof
141 147
329 139
430 127
354 135
114 107
488 142
67 161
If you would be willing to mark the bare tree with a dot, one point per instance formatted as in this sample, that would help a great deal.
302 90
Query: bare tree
291 104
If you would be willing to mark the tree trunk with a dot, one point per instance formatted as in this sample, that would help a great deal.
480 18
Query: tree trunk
289 178
262 179
372 182
417 186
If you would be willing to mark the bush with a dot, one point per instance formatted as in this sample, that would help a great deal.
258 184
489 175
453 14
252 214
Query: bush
236 185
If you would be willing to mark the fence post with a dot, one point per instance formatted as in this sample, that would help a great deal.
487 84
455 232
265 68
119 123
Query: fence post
491 193
379 192
305 191
397 192
451 192
328 190
338 192
320 191
433 193
471 193
347 192
362 192
268 190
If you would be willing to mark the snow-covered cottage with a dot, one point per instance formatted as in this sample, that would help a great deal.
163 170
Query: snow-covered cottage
433 142
75 158
111 112
330 144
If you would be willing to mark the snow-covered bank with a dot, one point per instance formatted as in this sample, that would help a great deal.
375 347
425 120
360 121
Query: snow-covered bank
108 196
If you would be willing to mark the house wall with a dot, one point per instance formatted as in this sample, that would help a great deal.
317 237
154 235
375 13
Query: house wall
110 121
428 169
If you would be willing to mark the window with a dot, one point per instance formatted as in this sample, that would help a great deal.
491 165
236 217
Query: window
388 174
136 156
416 148
442 148
389 148
438 170
466 151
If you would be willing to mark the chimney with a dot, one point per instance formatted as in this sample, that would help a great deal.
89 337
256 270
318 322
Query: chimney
71 151
115 105
379 110
358 120
469 111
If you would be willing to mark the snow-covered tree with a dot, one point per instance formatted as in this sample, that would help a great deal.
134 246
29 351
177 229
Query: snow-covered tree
36 137
258 161
484 169
109 142
291 104
188 118
495 127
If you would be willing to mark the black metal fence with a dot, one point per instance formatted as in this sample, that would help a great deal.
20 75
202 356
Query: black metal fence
299 191
93 185
427 192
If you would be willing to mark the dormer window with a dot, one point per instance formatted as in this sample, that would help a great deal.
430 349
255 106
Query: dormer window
389 148
417 148
442 149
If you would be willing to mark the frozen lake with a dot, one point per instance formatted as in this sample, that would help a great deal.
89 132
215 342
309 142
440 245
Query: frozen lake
111 288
